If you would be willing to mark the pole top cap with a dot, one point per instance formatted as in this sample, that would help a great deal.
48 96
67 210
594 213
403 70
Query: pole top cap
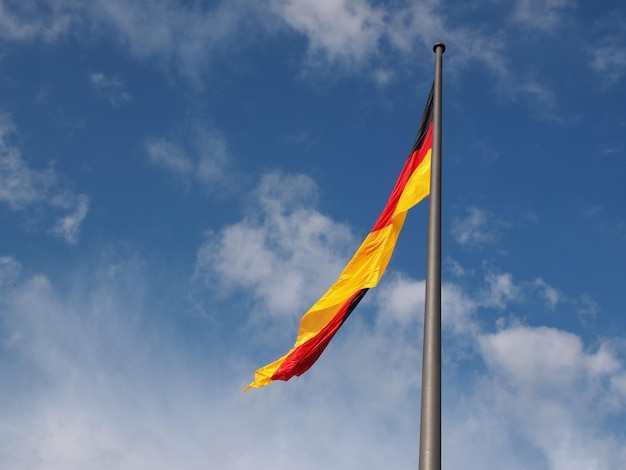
439 44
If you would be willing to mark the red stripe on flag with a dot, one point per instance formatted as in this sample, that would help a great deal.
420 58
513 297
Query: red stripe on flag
303 357
409 167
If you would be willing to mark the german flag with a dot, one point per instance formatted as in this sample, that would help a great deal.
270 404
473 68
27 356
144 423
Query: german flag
323 320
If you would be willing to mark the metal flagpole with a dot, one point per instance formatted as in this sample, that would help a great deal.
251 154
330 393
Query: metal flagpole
430 421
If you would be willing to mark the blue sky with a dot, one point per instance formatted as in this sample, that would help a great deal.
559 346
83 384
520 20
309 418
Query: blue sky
180 181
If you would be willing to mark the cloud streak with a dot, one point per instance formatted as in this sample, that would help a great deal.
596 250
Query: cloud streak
24 189
348 37
198 155
111 87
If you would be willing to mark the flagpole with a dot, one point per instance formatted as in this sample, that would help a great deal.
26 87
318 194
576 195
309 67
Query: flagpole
430 419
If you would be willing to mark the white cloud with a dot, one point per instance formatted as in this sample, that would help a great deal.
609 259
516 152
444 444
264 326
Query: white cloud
609 51
618 385
344 31
401 300
19 185
199 155
555 394
418 25
454 267
111 87
342 36
9 269
535 92
536 357
610 61
458 309
186 37
286 253
213 154
587 305
479 227
416 21
24 21
345 35
544 15
383 77
500 290
552 296
68 226
23 188
354 34
169 157
183 37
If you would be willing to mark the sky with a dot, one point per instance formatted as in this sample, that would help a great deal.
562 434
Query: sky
181 180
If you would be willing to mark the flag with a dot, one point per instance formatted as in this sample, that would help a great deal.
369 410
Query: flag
324 318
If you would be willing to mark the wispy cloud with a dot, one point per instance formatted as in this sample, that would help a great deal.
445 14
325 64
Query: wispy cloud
350 36
187 37
9 270
609 51
478 227
197 155
23 188
342 37
543 15
500 290
68 227
20 186
552 295
111 87
169 157
345 36
610 61
24 21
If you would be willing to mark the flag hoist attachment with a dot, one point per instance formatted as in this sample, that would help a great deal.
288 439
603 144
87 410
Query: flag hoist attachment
324 318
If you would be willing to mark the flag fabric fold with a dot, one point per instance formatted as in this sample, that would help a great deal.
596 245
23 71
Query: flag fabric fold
320 323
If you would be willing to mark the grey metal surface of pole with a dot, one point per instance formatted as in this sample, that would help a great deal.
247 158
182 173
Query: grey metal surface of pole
430 420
